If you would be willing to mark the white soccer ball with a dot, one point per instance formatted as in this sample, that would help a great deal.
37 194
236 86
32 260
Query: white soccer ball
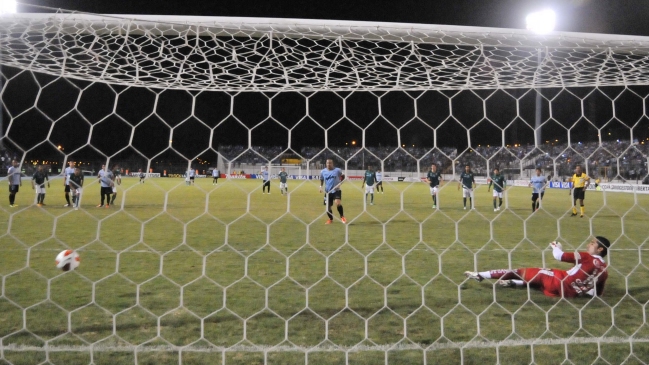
67 260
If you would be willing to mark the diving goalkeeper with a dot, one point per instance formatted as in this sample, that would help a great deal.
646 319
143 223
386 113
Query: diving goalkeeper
586 278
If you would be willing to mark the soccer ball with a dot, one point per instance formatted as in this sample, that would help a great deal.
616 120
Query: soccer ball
67 260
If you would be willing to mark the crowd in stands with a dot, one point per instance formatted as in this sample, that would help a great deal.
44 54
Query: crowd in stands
610 159
602 159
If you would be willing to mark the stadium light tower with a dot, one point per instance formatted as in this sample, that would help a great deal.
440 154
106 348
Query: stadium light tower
541 22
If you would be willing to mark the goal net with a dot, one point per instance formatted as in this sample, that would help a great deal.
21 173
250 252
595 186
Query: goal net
183 267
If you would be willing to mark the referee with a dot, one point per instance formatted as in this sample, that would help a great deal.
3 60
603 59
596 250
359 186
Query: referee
580 183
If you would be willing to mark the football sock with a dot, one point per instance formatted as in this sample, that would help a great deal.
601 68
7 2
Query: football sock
534 205
372 198
67 198
331 216
471 203
113 199
574 210
538 204
12 198
494 203
340 211
500 204
434 200
102 199
504 274
464 202
582 209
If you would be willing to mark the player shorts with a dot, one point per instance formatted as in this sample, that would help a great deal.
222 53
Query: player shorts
283 185
114 188
497 194
379 183
40 188
369 189
67 188
266 183
14 188
535 196
191 178
76 191
106 190
335 195
434 190
467 193
547 280
579 193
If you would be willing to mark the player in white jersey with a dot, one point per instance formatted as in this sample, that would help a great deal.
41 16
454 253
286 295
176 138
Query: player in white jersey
215 176
379 181
105 178
66 181
117 180
15 181
192 176
265 177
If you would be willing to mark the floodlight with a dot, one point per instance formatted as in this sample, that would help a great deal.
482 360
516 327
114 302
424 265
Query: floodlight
541 22
7 7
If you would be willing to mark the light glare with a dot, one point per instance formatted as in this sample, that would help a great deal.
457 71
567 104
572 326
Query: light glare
541 22
8 7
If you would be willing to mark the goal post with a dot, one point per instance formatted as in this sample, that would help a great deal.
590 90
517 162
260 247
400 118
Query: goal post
216 270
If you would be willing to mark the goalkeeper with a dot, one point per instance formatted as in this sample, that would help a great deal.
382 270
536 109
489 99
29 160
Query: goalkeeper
586 278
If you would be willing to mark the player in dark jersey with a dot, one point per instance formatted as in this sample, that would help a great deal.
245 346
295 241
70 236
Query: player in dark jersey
498 181
283 185
38 184
76 185
215 176
369 179
467 183
434 178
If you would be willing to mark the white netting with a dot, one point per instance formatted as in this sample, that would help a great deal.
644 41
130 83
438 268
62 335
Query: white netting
196 53
219 272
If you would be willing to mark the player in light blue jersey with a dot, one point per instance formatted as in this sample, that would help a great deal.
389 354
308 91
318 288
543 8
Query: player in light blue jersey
15 181
265 177
538 184
379 181
332 177
105 178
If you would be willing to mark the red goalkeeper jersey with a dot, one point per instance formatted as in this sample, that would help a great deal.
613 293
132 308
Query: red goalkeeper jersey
588 273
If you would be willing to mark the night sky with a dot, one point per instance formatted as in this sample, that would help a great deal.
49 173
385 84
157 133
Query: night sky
590 16
111 135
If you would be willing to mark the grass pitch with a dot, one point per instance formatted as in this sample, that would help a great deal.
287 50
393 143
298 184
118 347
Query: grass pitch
225 274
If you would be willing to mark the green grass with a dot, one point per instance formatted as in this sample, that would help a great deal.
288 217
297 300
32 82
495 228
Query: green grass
205 267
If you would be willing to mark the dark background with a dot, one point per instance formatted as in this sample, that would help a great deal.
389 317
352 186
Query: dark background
79 116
